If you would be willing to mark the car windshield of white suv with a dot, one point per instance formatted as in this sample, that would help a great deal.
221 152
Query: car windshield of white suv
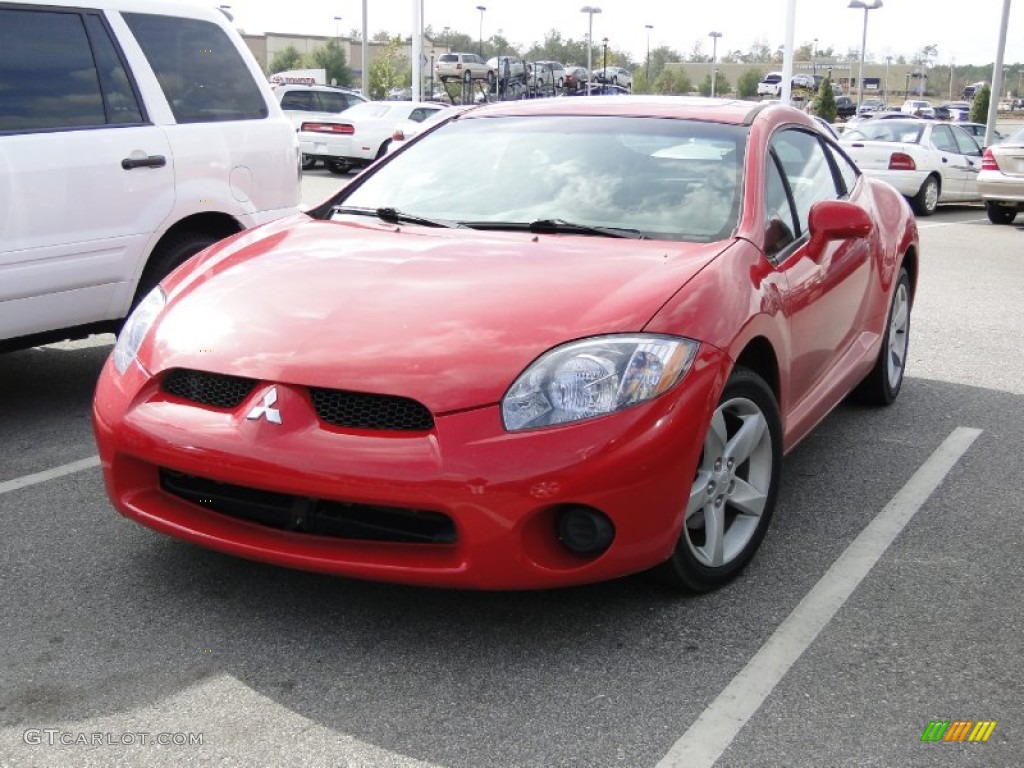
614 176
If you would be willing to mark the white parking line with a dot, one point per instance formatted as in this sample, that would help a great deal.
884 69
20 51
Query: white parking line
713 732
48 474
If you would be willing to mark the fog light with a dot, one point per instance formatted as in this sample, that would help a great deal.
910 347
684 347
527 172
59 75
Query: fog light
584 530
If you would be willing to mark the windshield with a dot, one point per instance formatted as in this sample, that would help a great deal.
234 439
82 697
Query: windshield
666 179
885 130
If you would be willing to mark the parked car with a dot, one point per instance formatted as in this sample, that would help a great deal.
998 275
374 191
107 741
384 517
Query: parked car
1001 181
511 67
124 152
361 134
553 73
407 129
917 108
978 130
614 76
303 103
807 82
871 105
958 110
771 85
540 76
927 161
845 107
456 66
412 382
575 77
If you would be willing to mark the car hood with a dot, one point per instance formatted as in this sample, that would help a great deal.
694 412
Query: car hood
447 317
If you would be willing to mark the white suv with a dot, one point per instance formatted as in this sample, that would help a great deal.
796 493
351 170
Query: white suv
771 85
133 134
457 66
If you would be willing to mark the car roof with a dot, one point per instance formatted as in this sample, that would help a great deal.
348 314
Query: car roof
681 107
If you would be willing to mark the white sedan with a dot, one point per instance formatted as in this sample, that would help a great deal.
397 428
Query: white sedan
361 134
928 162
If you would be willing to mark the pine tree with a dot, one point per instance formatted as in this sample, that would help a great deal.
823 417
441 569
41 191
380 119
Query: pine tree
824 103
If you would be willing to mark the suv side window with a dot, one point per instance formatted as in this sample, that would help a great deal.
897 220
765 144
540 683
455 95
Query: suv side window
122 105
301 101
333 101
49 78
200 71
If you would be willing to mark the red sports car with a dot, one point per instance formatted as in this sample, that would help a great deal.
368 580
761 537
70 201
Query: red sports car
545 343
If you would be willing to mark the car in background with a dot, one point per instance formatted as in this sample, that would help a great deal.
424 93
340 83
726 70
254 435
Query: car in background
459 66
510 67
845 107
978 130
614 76
412 383
771 85
361 134
575 77
917 108
124 152
408 129
927 161
807 82
959 111
551 73
1001 181
600 89
871 105
303 102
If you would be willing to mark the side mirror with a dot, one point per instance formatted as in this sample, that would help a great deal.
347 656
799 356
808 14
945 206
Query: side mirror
835 220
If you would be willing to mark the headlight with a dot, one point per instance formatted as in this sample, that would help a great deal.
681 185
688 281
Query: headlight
136 327
595 377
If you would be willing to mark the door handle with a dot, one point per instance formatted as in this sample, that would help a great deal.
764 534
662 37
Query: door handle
945 160
153 161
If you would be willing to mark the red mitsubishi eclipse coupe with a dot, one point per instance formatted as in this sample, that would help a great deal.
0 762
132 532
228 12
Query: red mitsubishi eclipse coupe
545 343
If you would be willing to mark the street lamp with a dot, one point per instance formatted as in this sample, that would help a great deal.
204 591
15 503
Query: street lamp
647 69
714 59
590 10
814 58
337 27
888 60
867 6
481 8
604 64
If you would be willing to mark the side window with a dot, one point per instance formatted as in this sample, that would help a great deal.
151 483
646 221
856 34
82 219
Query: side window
420 114
332 101
298 100
48 77
806 169
202 75
965 142
121 101
942 139
847 170
780 222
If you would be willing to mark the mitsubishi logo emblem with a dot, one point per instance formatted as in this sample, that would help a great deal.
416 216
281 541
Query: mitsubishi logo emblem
273 415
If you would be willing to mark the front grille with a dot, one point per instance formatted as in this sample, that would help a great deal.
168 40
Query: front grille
358 410
212 389
318 517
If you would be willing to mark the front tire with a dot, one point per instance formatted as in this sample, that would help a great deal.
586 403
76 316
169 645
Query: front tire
171 254
926 200
882 385
1000 214
338 167
733 493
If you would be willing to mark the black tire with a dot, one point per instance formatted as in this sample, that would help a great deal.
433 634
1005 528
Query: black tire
883 384
308 162
383 149
924 202
1000 214
168 256
339 167
741 489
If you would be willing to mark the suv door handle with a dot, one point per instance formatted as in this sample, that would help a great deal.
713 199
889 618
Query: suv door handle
153 161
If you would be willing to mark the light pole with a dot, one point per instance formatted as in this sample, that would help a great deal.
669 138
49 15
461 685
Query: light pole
867 6
337 27
590 10
814 58
888 59
647 67
481 8
714 59
604 63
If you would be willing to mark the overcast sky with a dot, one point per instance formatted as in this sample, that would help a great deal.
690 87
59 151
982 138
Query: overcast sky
966 32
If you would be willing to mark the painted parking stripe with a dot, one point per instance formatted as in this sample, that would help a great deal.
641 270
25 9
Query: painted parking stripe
48 474
713 732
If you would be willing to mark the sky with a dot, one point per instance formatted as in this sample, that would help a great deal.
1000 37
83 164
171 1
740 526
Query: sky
966 33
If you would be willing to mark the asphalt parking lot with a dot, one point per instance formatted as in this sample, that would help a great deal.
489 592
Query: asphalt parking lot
116 636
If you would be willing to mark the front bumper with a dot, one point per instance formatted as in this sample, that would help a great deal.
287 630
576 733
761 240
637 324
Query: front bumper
502 491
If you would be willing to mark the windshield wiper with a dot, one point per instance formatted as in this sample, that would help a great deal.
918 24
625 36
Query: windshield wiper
394 216
558 227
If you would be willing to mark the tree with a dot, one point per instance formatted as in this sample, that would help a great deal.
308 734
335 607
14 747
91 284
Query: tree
672 80
746 85
824 103
722 86
285 60
331 58
979 106
389 70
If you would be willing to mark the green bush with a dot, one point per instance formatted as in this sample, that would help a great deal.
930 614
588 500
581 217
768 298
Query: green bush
746 85
979 107
824 103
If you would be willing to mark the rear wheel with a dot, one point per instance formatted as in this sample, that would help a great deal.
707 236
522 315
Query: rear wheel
733 493
308 162
339 167
927 197
1000 214
882 385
